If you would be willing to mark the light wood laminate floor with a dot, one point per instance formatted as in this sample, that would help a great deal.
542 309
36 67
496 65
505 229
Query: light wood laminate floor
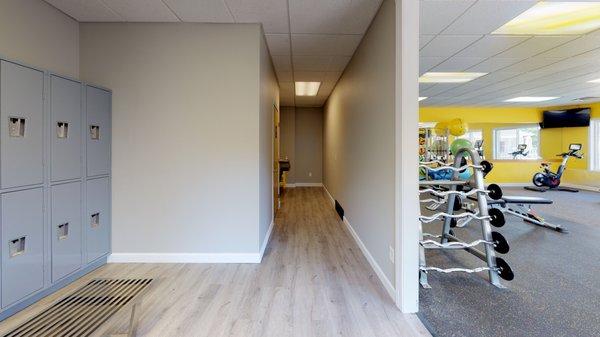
313 281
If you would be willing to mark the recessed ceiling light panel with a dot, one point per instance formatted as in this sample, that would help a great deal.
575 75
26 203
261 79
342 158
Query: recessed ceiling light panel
530 99
307 88
445 77
594 81
555 18
422 98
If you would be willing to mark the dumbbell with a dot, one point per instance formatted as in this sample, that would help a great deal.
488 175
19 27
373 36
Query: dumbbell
504 269
500 244
497 217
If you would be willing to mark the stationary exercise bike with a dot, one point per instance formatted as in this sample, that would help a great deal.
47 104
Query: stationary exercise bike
520 151
548 180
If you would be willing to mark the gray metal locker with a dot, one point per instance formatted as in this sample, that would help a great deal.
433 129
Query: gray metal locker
98 218
22 118
65 130
98 107
22 246
65 231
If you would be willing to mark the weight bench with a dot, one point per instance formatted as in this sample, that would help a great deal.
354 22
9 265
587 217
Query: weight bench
521 207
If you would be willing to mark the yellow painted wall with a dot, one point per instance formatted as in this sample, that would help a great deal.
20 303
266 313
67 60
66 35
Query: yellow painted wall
553 141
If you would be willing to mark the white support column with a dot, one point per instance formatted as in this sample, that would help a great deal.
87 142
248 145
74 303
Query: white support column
407 192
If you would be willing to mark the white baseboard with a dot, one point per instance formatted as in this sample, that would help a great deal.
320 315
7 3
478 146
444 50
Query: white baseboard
290 185
329 195
184 258
309 184
384 280
266 240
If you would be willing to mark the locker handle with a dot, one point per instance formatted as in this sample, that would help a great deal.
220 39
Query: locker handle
16 247
16 127
95 220
62 130
94 132
63 231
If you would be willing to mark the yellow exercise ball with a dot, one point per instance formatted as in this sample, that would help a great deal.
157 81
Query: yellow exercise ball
440 128
457 127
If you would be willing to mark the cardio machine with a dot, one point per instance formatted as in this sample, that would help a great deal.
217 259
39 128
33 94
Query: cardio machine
521 151
548 180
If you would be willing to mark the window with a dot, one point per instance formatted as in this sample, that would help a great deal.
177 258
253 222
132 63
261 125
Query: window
473 136
508 142
595 145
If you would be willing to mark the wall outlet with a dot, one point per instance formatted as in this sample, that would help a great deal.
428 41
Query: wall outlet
310 174
391 253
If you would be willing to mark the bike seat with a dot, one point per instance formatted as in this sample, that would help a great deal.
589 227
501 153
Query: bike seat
545 163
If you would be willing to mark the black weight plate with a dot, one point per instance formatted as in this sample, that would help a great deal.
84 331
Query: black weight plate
504 269
497 216
494 192
457 204
453 223
500 243
486 166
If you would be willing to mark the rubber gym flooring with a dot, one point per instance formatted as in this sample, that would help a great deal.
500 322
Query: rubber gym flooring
556 290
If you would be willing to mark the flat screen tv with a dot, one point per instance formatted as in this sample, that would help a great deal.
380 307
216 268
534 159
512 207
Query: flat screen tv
566 118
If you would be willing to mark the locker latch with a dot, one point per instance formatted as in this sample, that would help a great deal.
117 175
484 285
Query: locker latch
16 127
95 220
62 231
62 129
16 247
94 132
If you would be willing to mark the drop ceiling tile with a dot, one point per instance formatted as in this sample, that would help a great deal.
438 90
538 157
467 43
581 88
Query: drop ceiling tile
285 76
494 64
86 11
578 46
279 44
272 14
282 62
535 45
309 76
438 14
424 40
142 10
213 11
311 63
333 76
426 63
286 88
491 45
487 15
338 63
332 17
531 64
448 45
324 44
457 64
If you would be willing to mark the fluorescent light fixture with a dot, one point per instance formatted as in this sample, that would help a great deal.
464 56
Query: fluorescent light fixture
594 81
422 98
555 18
441 77
530 99
307 88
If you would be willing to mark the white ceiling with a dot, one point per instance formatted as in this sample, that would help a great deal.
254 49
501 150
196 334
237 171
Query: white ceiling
455 36
309 40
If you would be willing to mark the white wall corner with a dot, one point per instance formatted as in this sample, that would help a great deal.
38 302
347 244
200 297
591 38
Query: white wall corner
331 199
378 271
266 240
406 143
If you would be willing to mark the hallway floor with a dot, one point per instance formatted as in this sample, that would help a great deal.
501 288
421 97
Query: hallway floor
313 281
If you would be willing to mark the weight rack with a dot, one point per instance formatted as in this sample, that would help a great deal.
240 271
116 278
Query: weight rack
451 192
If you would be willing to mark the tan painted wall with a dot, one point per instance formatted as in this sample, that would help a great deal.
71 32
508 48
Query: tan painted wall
359 138
186 123
37 34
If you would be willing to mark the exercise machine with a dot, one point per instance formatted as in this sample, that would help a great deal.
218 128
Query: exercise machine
548 180
479 148
521 151
450 193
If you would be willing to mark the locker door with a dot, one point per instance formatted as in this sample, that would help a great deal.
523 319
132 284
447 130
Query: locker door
22 246
99 131
21 134
65 132
98 218
66 229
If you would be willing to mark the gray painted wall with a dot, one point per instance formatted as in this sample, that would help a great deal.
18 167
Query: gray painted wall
302 142
187 165
359 138
35 33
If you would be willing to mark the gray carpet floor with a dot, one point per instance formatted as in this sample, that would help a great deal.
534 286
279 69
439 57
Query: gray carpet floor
556 290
